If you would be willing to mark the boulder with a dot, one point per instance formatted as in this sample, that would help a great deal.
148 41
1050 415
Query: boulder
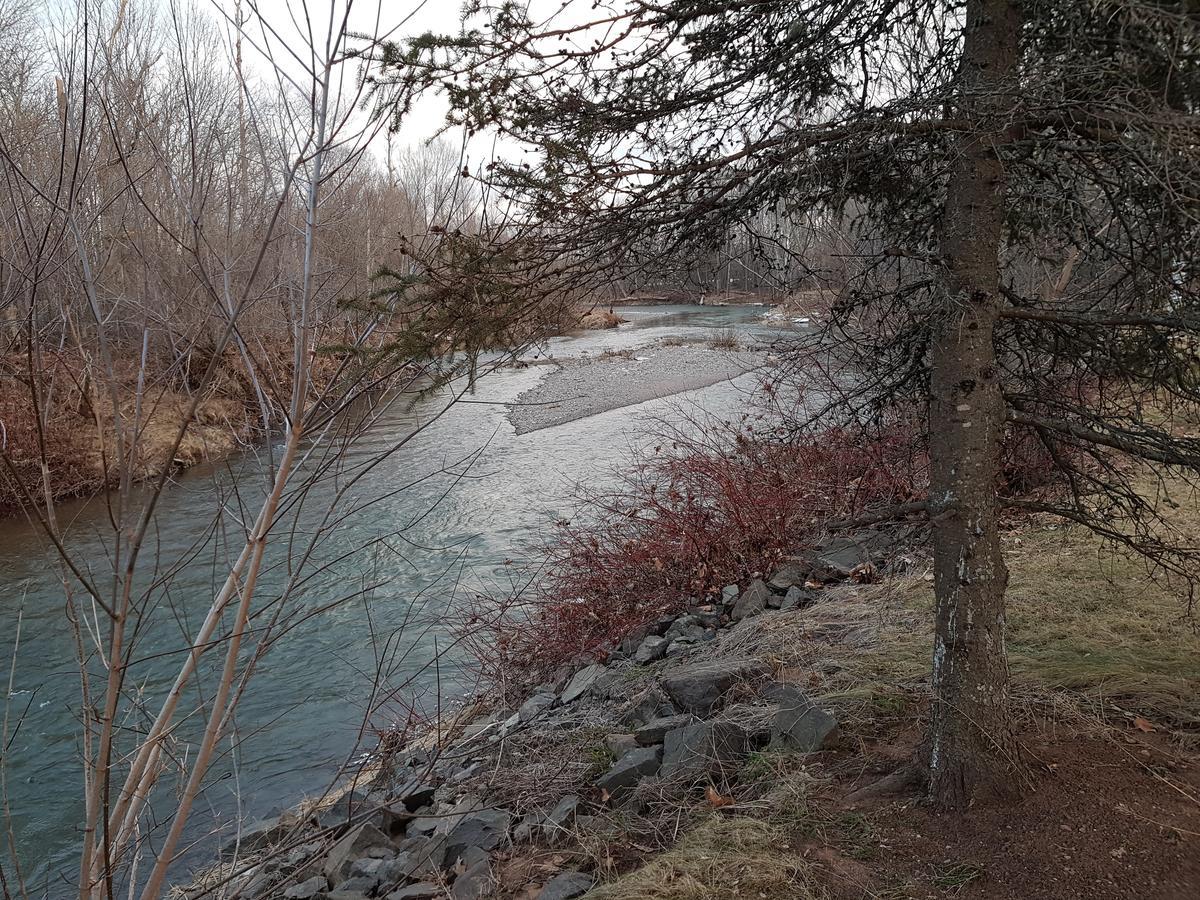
627 771
729 594
256 836
686 628
698 688
485 829
560 820
703 751
797 597
756 721
802 726
841 556
794 571
647 706
751 601
420 891
474 882
349 847
620 744
678 648
581 682
567 886
366 867
414 792
535 706
306 890
651 649
442 819
418 857
653 732
356 886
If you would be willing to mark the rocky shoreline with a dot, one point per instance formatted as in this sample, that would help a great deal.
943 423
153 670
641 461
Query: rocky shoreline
675 709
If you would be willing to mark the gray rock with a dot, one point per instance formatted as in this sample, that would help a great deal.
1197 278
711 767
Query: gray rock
774 601
353 844
359 885
842 555
793 572
302 854
560 820
366 866
729 594
445 817
535 706
486 829
342 894
755 721
627 771
419 857
525 828
420 891
797 597
581 682
651 649
704 750
679 647
685 628
306 889
647 706
751 601
253 883
413 793
708 616
567 886
634 638
802 726
256 836
698 688
620 744
653 732
474 882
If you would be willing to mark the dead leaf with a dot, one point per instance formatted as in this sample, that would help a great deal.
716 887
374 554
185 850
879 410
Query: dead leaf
1142 724
715 799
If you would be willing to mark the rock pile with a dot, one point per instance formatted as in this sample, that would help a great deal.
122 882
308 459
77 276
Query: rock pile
431 832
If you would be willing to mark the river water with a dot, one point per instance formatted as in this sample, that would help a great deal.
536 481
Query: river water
475 494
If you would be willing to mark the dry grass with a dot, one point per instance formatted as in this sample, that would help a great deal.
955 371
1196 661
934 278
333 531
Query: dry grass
725 339
721 858
1084 619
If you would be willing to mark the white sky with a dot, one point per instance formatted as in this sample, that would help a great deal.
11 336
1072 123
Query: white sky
405 18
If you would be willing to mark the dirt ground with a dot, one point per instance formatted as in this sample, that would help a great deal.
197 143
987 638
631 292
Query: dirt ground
1103 816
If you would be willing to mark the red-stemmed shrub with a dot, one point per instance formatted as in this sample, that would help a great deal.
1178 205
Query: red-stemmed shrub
705 507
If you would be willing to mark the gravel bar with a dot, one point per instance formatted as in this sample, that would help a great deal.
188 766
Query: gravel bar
583 388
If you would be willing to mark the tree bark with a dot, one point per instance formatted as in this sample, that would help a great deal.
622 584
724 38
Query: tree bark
969 747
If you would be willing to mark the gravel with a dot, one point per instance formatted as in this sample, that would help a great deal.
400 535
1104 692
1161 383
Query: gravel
583 388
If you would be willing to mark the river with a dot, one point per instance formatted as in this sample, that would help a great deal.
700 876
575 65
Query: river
461 526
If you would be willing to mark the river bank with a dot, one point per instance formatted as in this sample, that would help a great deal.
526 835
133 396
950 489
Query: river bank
761 746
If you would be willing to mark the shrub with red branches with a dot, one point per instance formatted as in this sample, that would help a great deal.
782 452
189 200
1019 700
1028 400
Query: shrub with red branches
703 509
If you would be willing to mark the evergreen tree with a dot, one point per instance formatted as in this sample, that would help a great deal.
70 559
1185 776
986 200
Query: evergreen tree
1021 179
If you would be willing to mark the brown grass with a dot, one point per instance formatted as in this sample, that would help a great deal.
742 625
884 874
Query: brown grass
719 859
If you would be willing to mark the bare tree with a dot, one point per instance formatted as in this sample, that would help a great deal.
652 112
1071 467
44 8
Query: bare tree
180 240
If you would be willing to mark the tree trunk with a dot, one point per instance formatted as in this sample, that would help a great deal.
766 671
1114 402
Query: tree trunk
969 745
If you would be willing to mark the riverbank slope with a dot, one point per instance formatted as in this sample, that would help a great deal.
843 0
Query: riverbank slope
761 745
